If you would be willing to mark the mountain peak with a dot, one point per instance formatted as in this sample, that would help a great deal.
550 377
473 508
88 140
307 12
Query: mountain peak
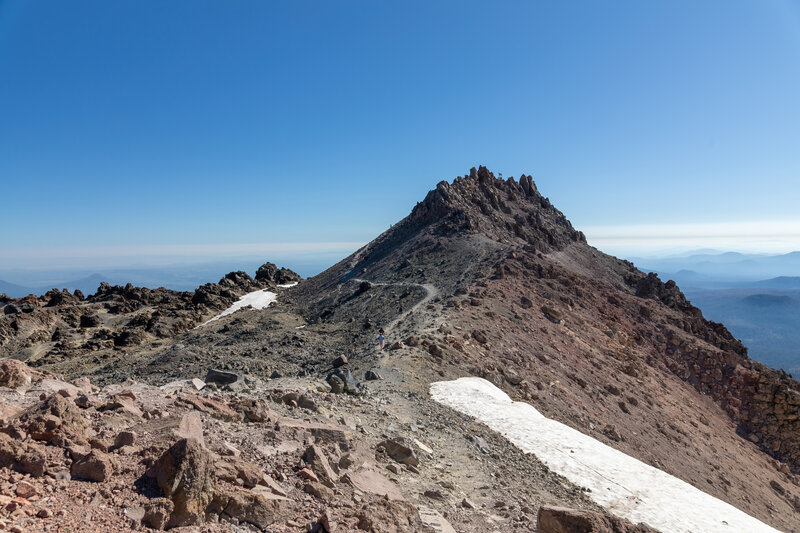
505 210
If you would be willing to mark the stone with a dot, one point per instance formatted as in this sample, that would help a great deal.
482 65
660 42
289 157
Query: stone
25 490
185 474
94 466
434 521
83 401
27 458
373 483
221 377
480 336
372 375
233 469
384 516
339 361
13 373
55 420
563 520
307 473
191 427
336 383
318 490
306 402
211 407
125 438
349 384
258 507
157 512
123 403
398 451
256 410
318 463
198 383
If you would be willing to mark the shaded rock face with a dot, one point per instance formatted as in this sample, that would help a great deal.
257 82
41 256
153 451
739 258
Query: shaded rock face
186 475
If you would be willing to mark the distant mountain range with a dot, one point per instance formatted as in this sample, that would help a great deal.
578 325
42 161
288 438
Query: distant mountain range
721 268
87 285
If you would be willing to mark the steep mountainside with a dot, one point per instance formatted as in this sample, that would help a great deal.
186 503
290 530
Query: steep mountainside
486 277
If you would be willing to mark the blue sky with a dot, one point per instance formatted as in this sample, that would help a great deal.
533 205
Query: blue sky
146 125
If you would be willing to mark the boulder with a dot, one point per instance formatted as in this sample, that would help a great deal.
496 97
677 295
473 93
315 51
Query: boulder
258 507
157 512
373 483
384 516
232 468
372 375
563 520
221 377
339 361
21 456
125 438
347 382
398 451
94 466
55 420
318 463
185 474
14 374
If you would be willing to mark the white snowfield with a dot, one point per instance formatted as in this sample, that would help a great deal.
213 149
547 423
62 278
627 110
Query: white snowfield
259 299
624 486
287 285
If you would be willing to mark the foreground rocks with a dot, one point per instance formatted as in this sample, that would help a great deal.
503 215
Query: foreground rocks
130 455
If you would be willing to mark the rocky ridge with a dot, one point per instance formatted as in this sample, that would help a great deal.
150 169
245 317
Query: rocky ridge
60 325
485 277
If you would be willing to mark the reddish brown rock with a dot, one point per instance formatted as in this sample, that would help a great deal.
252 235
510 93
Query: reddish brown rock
373 483
94 466
55 420
318 463
562 520
185 474
384 516
22 456
15 374
258 507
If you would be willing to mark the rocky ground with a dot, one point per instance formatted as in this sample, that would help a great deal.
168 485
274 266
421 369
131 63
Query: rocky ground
241 454
485 277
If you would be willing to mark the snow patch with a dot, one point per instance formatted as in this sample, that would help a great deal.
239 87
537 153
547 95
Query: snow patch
287 285
625 486
259 299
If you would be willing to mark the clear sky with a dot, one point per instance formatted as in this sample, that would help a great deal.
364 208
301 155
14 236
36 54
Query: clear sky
147 125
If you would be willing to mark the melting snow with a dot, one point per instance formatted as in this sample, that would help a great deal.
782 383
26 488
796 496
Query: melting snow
625 486
287 285
259 299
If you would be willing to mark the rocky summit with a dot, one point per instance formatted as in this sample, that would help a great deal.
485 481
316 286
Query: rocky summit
130 409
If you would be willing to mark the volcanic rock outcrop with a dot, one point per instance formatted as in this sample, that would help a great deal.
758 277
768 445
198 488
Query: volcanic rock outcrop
59 325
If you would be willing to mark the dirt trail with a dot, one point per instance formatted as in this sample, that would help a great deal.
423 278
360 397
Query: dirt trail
431 292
